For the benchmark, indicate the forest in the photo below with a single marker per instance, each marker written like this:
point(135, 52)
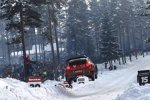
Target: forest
point(51, 31)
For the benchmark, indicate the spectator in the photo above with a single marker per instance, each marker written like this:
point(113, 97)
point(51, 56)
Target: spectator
point(110, 68)
point(115, 67)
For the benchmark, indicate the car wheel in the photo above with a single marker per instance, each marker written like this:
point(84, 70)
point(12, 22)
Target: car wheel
point(75, 80)
point(95, 76)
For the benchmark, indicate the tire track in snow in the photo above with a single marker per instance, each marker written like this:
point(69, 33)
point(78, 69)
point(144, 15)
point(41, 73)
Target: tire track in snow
point(120, 81)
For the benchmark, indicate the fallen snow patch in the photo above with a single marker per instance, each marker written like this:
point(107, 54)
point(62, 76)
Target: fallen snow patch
point(136, 93)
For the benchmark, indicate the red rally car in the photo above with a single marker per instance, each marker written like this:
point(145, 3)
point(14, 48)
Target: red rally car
point(80, 66)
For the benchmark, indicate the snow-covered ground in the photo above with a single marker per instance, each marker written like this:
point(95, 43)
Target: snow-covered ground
point(118, 84)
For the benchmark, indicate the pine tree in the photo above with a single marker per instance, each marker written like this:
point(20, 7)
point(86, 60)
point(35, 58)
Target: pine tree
point(114, 18)
point(95, 25)
point(110, 48)
point(79, 38)
point(19, 15)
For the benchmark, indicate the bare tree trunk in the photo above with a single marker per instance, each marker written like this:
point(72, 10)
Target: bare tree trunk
point(43, 48)
point(122, 45)
point(134, 42)
point(51, 37)
point(8, 49)
point(128, 44)
point(142, 44)
point(26, 69)
point(119, 61)
point(36, 44)
point(57, 45)
point(119, 42)
point(56, 36)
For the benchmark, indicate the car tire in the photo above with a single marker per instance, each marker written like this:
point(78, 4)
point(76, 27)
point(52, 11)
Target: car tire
point(95, 76)
point(75, 80)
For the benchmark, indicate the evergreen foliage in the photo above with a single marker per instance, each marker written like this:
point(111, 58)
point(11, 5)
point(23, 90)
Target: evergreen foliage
point(95, 16)
point(11, 10)
point(110, 47)
point(99, 29)
point(19, 15)
point(79, 40)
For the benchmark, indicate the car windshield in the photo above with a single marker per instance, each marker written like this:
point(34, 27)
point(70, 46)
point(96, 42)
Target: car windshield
point(77, 61)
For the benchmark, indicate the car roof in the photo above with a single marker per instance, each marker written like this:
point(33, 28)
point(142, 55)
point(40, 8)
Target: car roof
point(76, 58)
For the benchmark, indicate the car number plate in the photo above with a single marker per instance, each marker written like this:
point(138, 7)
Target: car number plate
point(81, 79)
point(78, 71)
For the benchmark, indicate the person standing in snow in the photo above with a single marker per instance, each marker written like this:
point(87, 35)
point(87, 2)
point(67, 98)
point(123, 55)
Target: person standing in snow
point(28, 65)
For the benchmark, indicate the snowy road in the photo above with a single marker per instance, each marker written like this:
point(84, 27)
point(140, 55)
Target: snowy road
point(108, 86)
point(111, 83)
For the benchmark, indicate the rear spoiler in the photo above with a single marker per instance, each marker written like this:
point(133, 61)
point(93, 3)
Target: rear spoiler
point(76, 58)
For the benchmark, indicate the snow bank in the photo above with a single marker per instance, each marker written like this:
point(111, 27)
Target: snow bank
point(117, 84)
point(136, 92)
point(12, 89)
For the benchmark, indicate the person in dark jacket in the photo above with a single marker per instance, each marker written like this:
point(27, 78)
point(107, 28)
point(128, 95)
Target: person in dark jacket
point(28, 65)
